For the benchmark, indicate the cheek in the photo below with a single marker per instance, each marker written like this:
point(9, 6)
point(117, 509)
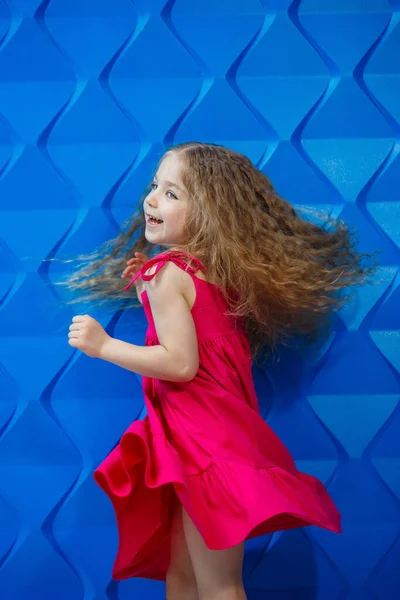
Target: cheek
point(180, 224)
point(176, 218)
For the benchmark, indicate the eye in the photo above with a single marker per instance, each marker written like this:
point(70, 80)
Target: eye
point(152, 186)
point(172, 195)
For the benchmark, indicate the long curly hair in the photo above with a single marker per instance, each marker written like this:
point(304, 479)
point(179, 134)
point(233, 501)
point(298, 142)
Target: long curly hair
point(289, 273)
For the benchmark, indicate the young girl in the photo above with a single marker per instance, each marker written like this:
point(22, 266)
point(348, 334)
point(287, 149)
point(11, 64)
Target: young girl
point(237, 271)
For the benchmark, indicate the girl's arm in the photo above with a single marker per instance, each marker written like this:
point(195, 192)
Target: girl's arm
point(176, 357)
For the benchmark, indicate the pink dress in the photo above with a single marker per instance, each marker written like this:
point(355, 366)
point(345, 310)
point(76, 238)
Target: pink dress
point(204, 444)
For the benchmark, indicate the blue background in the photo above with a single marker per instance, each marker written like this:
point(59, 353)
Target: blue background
point(91, 91)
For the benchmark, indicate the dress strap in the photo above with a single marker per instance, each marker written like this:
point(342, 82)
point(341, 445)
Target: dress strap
point(175, 256)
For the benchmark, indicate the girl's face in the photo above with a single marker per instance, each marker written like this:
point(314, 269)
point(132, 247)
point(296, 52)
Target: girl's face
point(166, 205)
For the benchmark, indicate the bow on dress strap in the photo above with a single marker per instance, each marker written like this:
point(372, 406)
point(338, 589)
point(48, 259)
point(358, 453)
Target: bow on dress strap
point(177, 257)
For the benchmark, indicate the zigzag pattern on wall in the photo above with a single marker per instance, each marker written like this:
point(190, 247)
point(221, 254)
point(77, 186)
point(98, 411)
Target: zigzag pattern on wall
point(91, 92)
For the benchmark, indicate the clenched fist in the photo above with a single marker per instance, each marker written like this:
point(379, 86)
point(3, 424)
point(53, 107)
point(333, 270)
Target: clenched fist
point(86, 334)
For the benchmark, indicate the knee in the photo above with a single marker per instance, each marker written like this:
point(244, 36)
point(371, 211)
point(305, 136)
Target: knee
point(179, 579)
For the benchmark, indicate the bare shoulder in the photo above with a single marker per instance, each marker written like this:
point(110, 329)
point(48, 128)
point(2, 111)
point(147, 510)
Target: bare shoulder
point(169, 277)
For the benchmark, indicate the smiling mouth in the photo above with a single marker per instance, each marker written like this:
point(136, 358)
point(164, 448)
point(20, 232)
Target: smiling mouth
point(152, 221)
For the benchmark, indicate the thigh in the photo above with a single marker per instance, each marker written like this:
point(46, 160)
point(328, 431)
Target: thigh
point(180, 564)
point(213, 569)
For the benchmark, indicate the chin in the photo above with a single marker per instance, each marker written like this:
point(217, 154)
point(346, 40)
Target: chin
point(153, 239)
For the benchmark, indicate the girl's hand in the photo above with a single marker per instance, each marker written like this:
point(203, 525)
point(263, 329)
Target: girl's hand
point(86, 334)
point(134, 265)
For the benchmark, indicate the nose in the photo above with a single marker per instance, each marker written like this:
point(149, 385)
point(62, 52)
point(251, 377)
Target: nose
point(151, 203)
point(151, 199)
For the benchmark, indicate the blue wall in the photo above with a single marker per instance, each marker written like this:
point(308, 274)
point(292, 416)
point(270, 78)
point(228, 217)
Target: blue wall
point(90, 93)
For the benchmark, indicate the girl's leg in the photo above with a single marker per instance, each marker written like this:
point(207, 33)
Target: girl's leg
point(181, 581)
point(218, 572)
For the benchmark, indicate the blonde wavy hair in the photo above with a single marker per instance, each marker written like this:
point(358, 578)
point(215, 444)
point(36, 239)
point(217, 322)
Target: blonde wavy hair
point(288, 273)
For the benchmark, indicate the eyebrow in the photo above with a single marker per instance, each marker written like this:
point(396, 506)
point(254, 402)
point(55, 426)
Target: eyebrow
point(170, 183)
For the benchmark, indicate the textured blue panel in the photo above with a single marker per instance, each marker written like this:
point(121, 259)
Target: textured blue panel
point(91, 92)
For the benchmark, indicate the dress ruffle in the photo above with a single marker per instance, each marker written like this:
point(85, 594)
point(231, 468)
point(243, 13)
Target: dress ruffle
point(144, 478)
point(138, 476)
